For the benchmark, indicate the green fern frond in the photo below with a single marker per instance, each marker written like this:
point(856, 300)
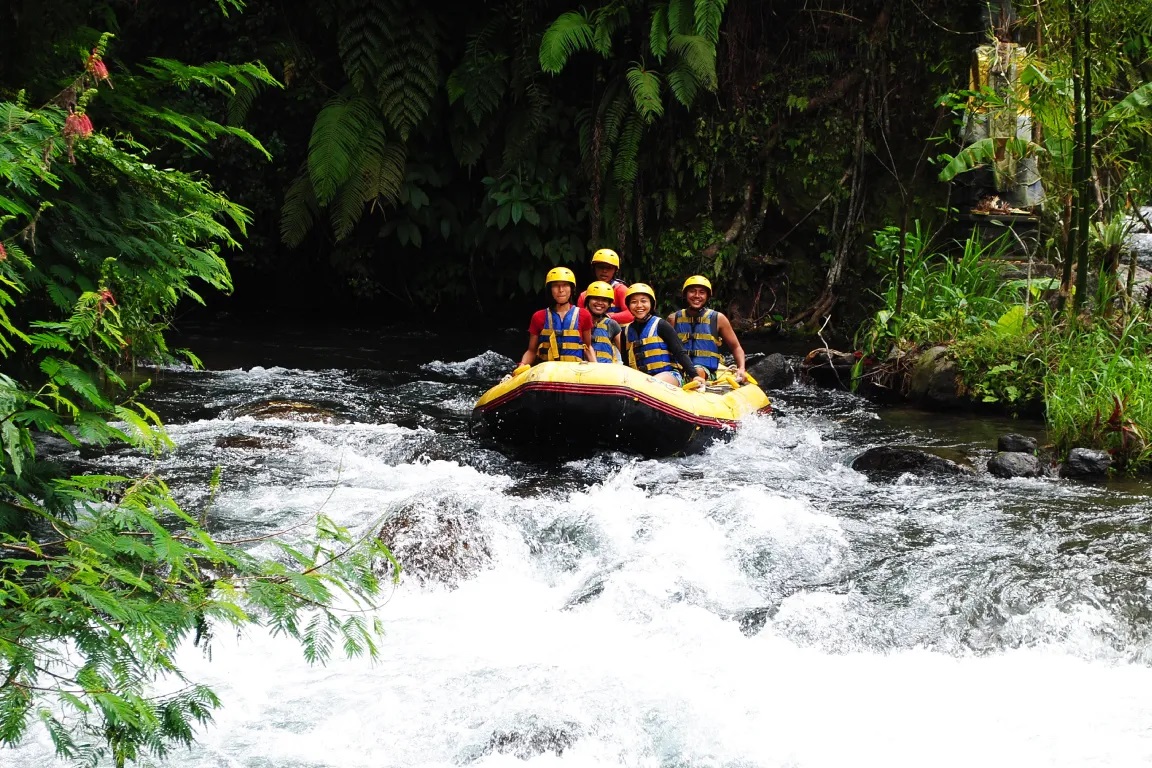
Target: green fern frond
point(682, 83)
point(615, 108)
point(335, 141)
point(571, 33)
point(479, 84)
point(470, 140)
point(348, 207)
point(384, 164)
point(658, 32)
point(298, 213)
point(709, 14)
point(681, 18)
point(409, 77)
point(606, 20)
point(699, 55)
point(645, 87)
point(626, 165)
point(584, 130)
point(362, 39)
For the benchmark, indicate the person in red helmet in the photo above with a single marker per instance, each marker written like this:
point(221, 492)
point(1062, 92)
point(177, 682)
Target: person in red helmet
point(563, 331)
point(605, 266)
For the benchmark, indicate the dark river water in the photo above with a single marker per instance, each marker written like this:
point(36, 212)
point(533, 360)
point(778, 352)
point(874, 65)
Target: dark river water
point(759, 605)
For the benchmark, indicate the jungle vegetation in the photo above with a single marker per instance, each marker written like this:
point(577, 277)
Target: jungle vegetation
point(408, 157)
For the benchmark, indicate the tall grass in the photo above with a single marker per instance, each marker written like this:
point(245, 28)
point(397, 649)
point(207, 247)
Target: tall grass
point(945, 296)
point(1094, 374)
point(1099, 390)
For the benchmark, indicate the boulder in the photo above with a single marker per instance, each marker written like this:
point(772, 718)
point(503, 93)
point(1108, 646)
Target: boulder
point(1141, 242)
point(891, 461)
point(287, 410)
point(250, 442)
point(1014, 443)
point(1086, 463)
point(772, 372)
point(1015, 464)
point(443, 545)
point(1141, 222)
point(934, 380)
point(829, 368)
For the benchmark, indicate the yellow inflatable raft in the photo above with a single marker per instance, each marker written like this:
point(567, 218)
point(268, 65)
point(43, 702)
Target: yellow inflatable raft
point(559, 409)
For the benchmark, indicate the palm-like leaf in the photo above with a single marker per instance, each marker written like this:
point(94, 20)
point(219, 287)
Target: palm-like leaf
point(658, 32)
point(986, 151)
point(409, 76)
point(362, 39)
point(1135, 107)
point(645, 87)
point(682, 83)
point(681, 18)
point(699, 55)
point(709, 14)
point(335, 142)
point(571, 33)
point(627, 164)
point(299, 210)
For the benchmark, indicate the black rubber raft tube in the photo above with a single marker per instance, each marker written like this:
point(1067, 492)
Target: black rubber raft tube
point(561, 419)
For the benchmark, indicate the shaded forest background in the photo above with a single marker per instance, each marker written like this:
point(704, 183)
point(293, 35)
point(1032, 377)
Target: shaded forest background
point(423, 161)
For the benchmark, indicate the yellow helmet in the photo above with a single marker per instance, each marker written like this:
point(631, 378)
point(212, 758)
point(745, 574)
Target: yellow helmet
point(560, 275)
point(640, 289)
point(607, 256)
point(699, 280)
point(600, 290)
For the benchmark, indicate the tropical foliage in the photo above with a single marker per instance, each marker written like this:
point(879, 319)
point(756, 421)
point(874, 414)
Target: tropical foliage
point(104, 578)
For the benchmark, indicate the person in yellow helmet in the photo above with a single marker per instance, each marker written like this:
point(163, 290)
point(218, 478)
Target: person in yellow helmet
point(649, 343)
point(701, 330)
point(605, 330)
point(606, 267)
point(563, 331)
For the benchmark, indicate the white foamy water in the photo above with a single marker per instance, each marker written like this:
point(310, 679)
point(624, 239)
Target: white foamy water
point(759, 605)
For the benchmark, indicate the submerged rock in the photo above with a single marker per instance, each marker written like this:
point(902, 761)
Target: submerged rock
point(437, 545)
point(1008, 464)
point(889, 462)
point(1086, 463)
point(1014, 443)
point(288, 410)
point(773, 372)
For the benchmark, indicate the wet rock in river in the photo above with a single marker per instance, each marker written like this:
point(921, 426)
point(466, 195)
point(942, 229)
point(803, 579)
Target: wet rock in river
point(1086, 463)
point(1014, 443)
point(888, 462)
point(533, 738)
point(250, 442)
point(444, 546)
point(288, 410)
point(1009, 464)
point(829, 368)
point(772, 372)
point(934, 379)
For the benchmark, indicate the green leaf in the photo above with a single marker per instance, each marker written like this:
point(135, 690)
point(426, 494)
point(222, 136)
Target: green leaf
point(645, 88)
point(571, 33)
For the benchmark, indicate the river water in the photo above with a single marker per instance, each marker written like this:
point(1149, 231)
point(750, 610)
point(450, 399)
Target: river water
point(759, 605)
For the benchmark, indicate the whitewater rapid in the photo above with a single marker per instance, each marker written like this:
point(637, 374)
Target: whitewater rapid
point(760, 605)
